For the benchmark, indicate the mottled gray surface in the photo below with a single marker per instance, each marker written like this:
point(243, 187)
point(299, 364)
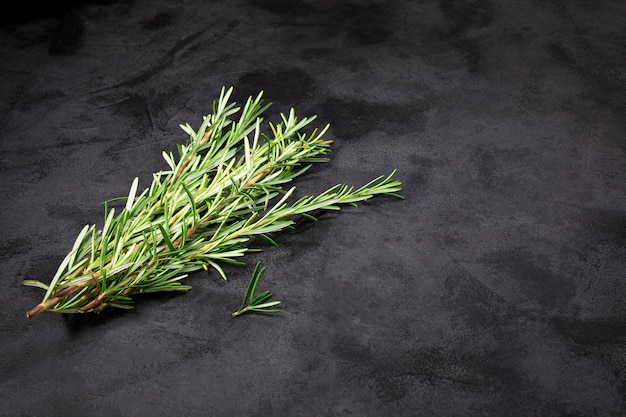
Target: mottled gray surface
point(497, 288)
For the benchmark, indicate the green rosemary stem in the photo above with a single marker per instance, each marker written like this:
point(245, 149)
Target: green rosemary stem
point(225, 187)
point(256, 303)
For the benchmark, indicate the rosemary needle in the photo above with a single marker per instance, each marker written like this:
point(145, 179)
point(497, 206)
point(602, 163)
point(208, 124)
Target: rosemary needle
point(256, 303)
point(225, 186)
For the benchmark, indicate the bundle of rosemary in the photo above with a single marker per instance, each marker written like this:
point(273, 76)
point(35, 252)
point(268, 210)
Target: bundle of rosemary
point(224, 188)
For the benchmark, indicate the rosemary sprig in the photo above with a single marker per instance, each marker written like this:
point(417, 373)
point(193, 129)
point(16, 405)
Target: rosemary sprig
point(224, 188)
point(259, 303)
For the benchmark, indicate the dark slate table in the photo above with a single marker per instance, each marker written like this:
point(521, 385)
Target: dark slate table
point(496, 288)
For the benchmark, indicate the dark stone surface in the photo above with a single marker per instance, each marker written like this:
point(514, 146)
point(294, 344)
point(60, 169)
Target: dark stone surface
point(497, 288)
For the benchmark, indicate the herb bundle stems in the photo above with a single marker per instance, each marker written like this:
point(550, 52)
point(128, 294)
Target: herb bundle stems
point(225, 187)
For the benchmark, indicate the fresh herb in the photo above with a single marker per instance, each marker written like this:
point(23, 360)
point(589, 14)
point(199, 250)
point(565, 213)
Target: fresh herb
point(259, 303)
point(224, 188)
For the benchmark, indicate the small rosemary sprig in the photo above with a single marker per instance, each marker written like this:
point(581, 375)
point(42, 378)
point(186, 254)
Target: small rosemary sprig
point(224, 188)
point(259, 303)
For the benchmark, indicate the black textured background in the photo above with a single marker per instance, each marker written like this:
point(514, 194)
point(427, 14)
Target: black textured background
point(497, 288)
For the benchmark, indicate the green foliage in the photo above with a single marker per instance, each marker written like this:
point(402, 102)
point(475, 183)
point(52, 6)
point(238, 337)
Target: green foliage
point(256, 303)
point(224, 188)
